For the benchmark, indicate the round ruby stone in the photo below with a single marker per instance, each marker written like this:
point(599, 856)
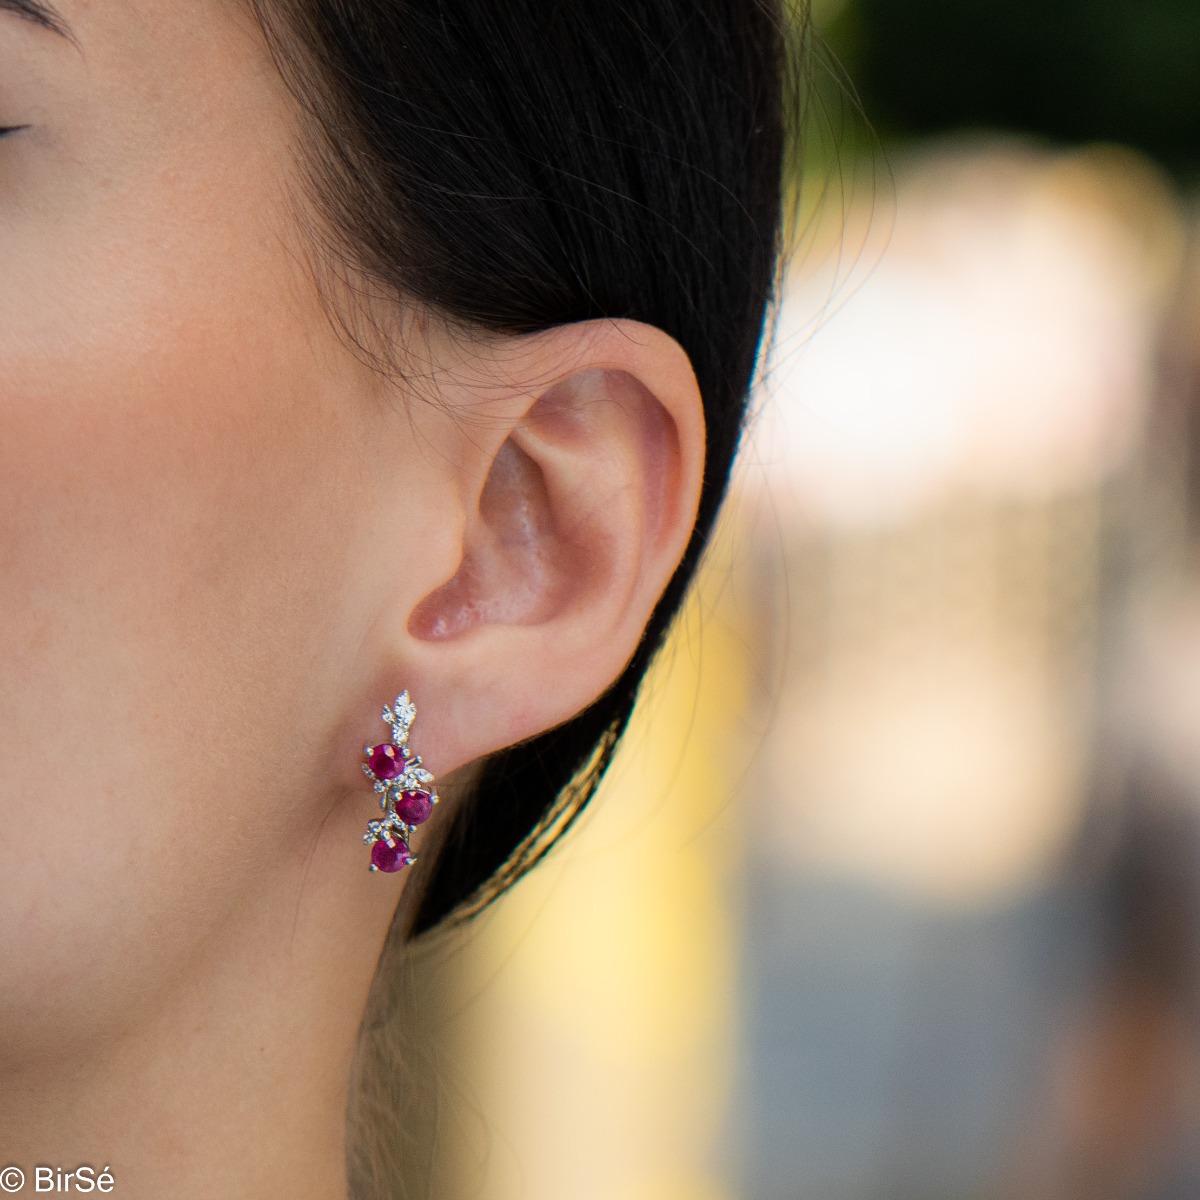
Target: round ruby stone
point(390, 857)
point(386, 761)
point(414, 807)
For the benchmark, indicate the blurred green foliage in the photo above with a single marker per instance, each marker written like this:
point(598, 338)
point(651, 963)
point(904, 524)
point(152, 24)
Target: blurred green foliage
point(1071, 70)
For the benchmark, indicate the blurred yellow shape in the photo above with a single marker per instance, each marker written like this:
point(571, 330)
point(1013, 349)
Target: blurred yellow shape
point(600, 1036)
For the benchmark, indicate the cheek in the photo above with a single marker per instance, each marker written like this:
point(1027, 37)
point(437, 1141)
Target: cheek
point(177, 515)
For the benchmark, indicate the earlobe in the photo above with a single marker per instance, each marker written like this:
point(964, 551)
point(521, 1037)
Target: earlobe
point(587, 506)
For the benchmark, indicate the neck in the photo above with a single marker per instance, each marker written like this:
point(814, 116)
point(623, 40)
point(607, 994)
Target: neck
point(233, 1082)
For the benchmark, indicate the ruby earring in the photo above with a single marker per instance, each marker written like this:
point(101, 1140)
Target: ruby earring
point(404, 788)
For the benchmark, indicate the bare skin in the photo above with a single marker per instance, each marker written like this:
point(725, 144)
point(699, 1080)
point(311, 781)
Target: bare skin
point(224, 543)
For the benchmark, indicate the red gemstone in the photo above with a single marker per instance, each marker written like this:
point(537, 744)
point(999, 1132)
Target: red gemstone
point(386, 761)
point(390, 856)
point(414, 807)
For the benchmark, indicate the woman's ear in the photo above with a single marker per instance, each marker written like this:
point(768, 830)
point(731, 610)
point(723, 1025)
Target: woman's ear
point(587, 478)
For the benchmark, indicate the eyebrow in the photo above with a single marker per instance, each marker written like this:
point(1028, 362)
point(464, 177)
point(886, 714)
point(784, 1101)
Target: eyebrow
point(40, 13)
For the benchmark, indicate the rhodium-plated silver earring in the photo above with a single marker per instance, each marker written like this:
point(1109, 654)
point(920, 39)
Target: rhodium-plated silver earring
point(404, 787)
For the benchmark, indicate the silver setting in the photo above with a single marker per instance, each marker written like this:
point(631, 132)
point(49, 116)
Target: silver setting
point(414, 778)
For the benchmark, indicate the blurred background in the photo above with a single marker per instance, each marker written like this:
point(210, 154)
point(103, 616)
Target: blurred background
point(894, 890)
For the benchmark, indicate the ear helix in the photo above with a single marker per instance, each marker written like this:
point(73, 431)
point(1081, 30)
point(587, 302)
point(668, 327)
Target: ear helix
point(404, 788)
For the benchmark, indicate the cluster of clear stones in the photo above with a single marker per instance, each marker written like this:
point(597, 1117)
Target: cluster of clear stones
point(403, 787)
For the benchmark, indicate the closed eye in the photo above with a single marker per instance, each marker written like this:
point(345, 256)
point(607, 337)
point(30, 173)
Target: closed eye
point(39, 13)
point(5, 130)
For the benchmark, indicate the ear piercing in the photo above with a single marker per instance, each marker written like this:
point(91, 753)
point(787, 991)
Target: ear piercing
point(404, 788)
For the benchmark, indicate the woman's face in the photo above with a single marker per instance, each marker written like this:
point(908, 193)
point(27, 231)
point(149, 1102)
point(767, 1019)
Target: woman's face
point(225, 540)
point(189, 480)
